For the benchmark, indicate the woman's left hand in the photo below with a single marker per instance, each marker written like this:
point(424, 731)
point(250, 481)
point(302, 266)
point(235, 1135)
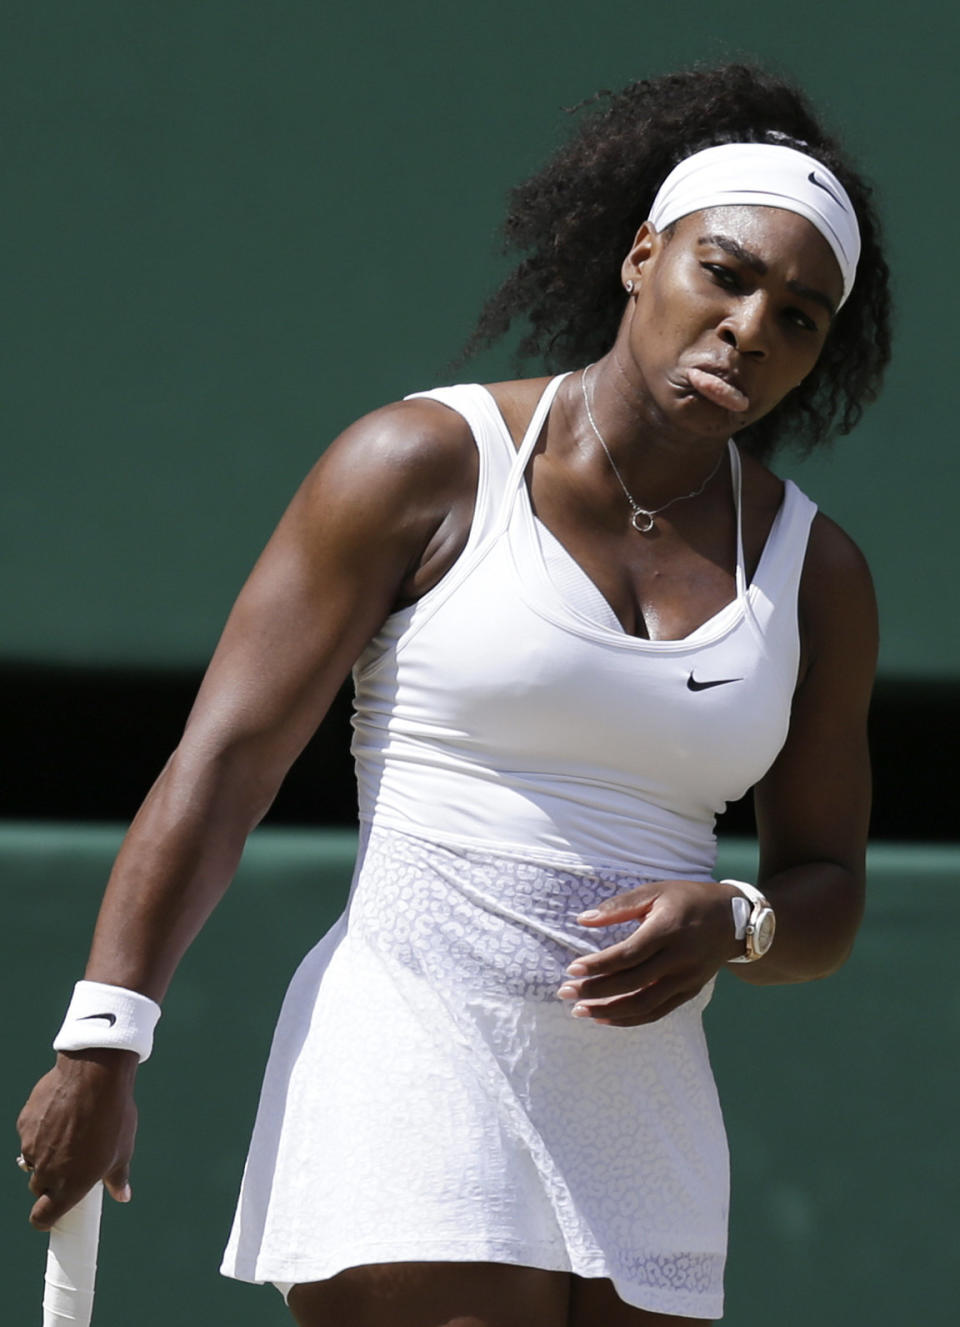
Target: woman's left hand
point(685, 935)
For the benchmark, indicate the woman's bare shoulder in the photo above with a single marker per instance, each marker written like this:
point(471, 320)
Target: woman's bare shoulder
point(421, 436)
point(408, 460)
point(838, 605)
point(829, 549)
point(836, 582)
point(388, 492)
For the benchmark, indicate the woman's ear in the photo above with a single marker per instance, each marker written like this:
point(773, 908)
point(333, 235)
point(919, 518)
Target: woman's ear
point(645, 243)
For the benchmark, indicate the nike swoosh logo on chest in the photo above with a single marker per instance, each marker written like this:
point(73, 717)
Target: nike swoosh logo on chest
point(694, 685)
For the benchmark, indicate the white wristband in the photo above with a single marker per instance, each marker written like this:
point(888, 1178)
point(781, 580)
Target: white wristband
point(108, 1016)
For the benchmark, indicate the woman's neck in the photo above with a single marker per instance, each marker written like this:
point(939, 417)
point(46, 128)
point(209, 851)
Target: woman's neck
point(655, 460)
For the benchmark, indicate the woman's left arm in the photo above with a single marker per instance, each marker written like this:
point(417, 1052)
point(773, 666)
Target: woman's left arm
point(813, 805)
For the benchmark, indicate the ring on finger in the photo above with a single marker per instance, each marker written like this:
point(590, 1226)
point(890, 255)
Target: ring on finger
point(24, 1164)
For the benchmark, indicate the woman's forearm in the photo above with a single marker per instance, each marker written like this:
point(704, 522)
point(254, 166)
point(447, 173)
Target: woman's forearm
point(175, 864)
point(818, 907)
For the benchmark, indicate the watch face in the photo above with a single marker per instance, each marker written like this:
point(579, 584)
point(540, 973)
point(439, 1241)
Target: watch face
point(763, 934)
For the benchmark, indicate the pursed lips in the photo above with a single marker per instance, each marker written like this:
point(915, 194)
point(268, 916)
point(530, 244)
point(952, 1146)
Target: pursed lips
point(718, 385)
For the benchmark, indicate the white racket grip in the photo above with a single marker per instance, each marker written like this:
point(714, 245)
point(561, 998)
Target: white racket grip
point(72, 1264)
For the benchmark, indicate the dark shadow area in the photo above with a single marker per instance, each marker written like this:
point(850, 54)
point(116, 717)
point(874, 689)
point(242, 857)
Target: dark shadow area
point(85, 744)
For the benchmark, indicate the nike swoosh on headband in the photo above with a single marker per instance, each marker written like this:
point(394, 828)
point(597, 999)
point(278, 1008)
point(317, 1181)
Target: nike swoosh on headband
point(111, 1018)
point(812, 177)
point(694, 685)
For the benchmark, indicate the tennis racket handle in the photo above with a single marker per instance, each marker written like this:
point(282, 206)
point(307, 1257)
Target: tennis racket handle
point(72, 1264)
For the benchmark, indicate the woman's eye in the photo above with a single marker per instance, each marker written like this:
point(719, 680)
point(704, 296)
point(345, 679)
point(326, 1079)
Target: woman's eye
point(801, 319)
point(723, 275)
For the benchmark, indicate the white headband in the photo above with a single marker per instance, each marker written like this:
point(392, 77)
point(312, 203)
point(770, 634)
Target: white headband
point(764, 175)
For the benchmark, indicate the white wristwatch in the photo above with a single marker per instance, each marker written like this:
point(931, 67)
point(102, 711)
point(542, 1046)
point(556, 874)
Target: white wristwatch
point(754, 921)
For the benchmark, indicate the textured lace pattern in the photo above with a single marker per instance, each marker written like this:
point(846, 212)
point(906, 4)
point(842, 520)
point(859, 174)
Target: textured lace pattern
point(479, 922)
point(429, 1098)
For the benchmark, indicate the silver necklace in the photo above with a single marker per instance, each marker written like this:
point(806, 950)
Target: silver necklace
point(641, 518)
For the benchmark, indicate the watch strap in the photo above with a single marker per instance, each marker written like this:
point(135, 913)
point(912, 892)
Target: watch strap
point(746, 909)
point(742, 909)
point(754, 894)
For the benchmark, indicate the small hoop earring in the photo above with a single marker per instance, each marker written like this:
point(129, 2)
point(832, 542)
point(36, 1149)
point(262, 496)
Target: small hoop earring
point(629, 287)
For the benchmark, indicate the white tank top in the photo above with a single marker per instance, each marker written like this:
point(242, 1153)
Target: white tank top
point(508, 710)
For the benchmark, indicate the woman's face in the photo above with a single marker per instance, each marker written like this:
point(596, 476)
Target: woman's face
point(729, 313)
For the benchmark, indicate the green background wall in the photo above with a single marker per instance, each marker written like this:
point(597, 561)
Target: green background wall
point(232, 227)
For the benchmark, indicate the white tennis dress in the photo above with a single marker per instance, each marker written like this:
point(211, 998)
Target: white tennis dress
point(519, 757)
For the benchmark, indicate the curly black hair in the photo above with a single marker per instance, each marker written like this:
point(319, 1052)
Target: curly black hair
point(574, 221)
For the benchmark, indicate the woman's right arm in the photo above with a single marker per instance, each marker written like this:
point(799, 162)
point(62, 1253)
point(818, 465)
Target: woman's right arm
point(382, 515)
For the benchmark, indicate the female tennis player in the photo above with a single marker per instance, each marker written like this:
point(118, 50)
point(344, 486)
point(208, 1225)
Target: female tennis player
point(582, 614)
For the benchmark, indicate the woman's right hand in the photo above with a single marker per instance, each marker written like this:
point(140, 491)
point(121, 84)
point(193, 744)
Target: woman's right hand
point(77, 1128)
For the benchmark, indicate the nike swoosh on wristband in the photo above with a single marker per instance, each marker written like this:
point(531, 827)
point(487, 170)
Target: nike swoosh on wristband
point(694, 685)
point(812, 177)
point(111, 1018)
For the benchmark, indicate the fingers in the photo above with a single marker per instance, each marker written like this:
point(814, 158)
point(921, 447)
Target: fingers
point(45, 1213)
point(50, 1207)
point(690, 919)
point(632, 905)
point(651, 907)
point(667, 1006)
point(75, 1135)
point(117, 1183)
point(627, 979)
point(673, 952)
point(636, 1007)
point(117, 1178)
point(54, 1202)
point(629, 953)
point(55, 1199)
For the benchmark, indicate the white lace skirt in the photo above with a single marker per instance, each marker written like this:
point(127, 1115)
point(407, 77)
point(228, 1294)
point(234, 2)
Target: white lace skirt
point(428, 1098)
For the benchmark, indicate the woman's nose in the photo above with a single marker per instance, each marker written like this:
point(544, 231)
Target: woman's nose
point(745, 327)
